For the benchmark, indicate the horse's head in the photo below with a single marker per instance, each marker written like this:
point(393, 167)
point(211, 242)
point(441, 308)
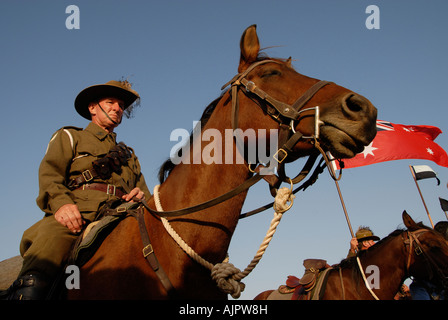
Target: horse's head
point(428, 253)
point(346, 120)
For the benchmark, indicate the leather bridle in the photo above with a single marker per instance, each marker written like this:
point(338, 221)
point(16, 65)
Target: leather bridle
point(288, 138)
point(281, 112)
point(286, 115)
point(417, 248)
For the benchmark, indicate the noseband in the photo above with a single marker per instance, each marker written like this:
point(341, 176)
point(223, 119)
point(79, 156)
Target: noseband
point(413, 241)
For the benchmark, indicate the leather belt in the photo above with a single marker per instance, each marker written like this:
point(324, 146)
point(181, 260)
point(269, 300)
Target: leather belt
point(107, 188)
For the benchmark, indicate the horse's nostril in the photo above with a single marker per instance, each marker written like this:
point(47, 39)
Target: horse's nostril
point(354, 103)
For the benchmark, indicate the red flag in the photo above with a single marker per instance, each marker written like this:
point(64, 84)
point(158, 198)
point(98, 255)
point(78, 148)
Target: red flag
point(397, 141)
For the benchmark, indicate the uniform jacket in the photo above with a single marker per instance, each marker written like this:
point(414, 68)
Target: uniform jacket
point(70, 152)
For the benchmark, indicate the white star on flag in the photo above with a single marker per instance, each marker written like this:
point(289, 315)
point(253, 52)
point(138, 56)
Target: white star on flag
point(410, 129)
point(429, 150)
point(369, 150)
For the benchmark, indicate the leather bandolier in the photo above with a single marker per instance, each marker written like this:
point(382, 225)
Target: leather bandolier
point(104, 167)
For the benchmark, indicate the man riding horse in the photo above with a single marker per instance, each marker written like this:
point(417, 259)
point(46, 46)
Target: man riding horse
point(71, 191)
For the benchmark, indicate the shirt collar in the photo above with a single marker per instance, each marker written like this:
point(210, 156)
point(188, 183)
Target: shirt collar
point(99, 132)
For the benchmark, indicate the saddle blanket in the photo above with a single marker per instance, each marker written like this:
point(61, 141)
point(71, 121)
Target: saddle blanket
point(95, 233)
point(91, 239)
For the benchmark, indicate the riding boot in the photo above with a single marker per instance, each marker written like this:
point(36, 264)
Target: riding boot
point(29, 287)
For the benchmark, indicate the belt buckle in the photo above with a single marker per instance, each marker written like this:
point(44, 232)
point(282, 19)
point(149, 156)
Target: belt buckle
point(109, 187)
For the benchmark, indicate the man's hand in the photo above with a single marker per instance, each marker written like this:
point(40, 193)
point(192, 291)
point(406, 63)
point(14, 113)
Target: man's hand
point(69, 216)
point(136, 192)
point(354, 245)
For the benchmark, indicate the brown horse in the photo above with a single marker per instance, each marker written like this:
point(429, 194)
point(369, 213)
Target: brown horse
point(419, 252)
point(118, 270)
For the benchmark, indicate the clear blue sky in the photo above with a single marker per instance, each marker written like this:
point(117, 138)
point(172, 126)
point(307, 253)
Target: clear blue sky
point(178, 54)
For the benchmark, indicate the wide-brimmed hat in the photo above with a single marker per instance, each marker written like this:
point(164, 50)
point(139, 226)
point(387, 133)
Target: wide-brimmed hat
point(364, 234)
point(117, 89)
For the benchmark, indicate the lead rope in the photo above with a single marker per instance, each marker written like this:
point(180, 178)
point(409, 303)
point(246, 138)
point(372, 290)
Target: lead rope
point(226, 275)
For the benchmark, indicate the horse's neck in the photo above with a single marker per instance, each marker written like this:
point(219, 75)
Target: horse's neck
point(385, 265)
point(206, 172)
point(190, 184)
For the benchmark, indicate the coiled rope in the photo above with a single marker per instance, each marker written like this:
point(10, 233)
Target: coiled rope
point(227, 276)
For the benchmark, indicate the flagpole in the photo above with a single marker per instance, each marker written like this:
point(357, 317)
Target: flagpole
point(331, 169)
point(421, 195)
point(344, 208)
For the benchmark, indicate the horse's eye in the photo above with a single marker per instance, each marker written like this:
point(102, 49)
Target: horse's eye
point(272, 72)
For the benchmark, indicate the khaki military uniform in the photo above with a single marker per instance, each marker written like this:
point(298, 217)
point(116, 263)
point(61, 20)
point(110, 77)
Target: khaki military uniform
point(46, 245)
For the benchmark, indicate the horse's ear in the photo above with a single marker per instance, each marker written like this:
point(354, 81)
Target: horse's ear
point(289, 63)
point(250, 46)
point(408, 221)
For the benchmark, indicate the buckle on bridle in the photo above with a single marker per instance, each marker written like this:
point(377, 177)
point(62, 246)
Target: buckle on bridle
point(250, 86)
point(418, 251)
point(276, 158)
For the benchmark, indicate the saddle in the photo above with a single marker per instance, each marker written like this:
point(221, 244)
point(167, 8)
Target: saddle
point(87, 244)
point(95, 233)
point(92, 238)
point(313, 268)
point(312, 284)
